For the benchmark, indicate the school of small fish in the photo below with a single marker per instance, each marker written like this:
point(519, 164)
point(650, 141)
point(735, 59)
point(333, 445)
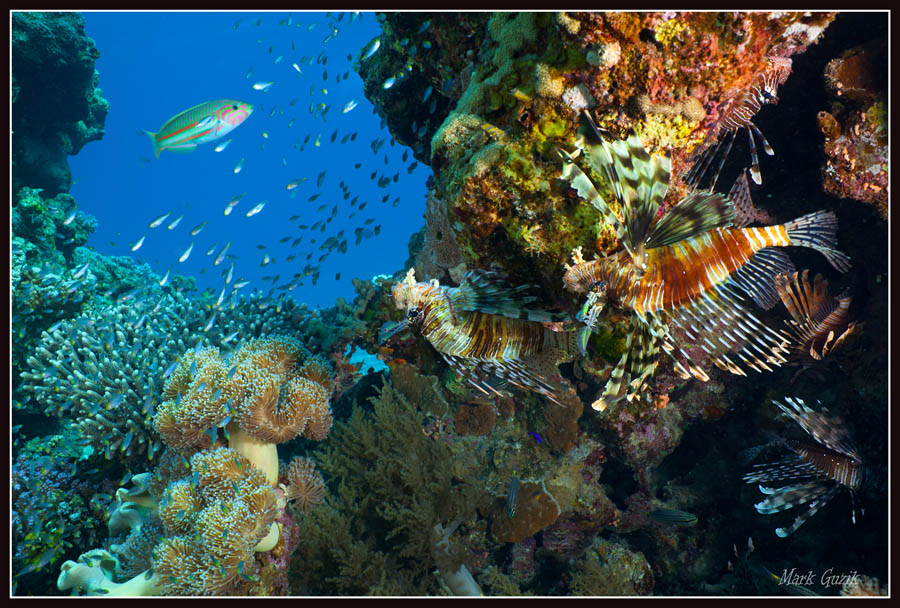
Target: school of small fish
point(307, 229)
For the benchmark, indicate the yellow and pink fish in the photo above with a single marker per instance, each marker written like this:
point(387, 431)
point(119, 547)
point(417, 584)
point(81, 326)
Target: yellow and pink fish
point(199, 125)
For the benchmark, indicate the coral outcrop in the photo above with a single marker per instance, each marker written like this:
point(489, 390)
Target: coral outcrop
point(56, 105)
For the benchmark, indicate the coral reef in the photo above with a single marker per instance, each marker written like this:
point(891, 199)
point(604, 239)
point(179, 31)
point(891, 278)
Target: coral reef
point(58, 504)
point(105, 368)
point(612, 568)
point(224, 508)
point(494, 155)
point(856, 126)
point(376, 534)
point(56, 105)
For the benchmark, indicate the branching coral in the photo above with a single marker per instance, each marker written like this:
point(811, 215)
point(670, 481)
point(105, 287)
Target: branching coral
point(105, 368)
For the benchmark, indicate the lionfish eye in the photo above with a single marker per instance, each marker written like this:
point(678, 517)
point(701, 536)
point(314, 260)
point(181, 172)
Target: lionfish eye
point(412, 314)
point(597, 285)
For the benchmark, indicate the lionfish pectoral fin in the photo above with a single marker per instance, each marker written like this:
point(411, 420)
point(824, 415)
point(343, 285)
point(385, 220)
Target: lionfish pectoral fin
point(697, 213)
point(814, 507)
point(487, 292)
point(757, 278)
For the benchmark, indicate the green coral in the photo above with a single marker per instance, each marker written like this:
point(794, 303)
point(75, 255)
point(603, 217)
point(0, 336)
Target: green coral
point(393, 485)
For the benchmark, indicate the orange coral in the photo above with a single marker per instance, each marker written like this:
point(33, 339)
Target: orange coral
point(536, 510)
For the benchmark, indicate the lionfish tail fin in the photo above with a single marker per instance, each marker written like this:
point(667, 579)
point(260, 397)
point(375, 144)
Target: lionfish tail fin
point(818, 231)
point(486, 292)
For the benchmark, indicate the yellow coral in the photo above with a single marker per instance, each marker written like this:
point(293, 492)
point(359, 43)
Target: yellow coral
point(546, 84)
point(671, 31)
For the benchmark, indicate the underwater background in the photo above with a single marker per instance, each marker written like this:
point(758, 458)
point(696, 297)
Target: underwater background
point(174, 318)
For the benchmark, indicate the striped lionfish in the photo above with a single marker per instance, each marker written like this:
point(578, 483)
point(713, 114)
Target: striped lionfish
point(686, 268)
point(817, 470)
point(736, 116)
point(482, 322)
point(821, 322)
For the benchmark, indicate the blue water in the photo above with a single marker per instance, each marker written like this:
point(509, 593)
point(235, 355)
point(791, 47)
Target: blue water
point(156, 65)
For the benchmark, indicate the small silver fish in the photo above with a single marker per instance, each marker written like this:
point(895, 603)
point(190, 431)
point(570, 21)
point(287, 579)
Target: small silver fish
point(176, 222)
point(262, 86)
point(256, 209)
point(221, 255)
point(222, 145)
point(165, 279)
point(70, 218)
point(138, 243)
point(349, 106)
point(186, 254)
point(239, 166)
point(160, 220)
point(389, 83)
point(376, 44)
point(196, 229)
point(80, 272)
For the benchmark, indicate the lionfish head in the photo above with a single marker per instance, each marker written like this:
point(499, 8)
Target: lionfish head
point(411, 296)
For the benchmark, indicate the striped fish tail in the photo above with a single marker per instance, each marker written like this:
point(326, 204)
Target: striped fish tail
point(156, 148)
point(818, 231)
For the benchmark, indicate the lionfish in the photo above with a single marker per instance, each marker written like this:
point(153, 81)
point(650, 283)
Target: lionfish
point(685, 269)
point(738, 115)
point(482, 330)
point(821, 323)
point(816, 470)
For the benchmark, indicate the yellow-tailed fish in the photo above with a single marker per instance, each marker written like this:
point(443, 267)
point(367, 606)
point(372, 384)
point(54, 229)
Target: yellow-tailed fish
point(160, 220)
point(256, 209)
point(175, 223)
point(221, 255)
point(196, 229)
point(186, 253)
point(201, 124)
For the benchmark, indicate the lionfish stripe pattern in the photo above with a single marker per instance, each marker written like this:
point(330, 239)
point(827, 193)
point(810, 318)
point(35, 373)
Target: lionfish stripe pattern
point(690, 268)
point(820, 322)
point(519, 350)
point(736, 116)
point(822, 467)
